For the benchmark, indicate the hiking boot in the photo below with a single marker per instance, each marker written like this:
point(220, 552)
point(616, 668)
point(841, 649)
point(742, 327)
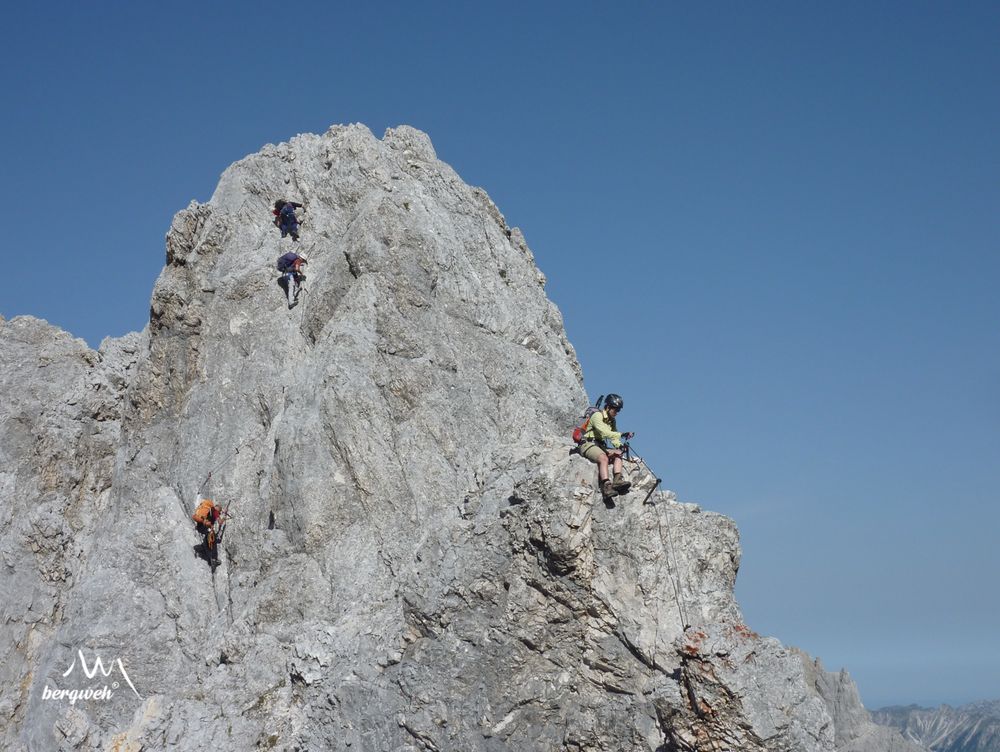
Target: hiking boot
point(606, 490)
point(621, 485)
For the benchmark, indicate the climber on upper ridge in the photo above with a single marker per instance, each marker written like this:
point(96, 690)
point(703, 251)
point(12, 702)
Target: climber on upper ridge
point(285, 219)
point(601, 429)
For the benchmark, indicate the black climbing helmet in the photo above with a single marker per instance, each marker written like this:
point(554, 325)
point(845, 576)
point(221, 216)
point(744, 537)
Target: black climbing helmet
point(613, 400)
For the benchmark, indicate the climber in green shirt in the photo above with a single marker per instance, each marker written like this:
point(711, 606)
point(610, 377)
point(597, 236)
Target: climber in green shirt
point(601, 431)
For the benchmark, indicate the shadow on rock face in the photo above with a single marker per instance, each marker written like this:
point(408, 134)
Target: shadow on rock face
point(203, 552)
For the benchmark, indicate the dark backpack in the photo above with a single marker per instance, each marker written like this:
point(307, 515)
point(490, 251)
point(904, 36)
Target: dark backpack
point(278, 206)
point(286, 263)
point(581, 429)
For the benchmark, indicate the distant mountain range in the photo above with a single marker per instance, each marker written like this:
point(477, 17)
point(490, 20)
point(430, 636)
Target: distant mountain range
point(969, 728)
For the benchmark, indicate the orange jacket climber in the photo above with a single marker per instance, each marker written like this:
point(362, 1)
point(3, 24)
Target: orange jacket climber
point(207, 514)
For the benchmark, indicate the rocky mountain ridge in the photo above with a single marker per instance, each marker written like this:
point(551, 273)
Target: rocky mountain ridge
point(968, 728)
point(415, 559)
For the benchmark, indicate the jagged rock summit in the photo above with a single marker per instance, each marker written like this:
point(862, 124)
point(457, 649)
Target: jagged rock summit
point(415, 562)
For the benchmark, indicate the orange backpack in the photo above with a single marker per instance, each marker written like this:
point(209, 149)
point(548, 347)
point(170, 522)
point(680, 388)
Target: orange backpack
point(205, 513)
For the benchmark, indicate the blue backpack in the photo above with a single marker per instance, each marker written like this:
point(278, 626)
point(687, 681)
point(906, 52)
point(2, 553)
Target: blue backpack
point(285, 262)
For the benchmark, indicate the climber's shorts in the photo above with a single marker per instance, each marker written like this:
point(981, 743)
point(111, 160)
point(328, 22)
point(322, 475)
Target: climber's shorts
point(592, 451)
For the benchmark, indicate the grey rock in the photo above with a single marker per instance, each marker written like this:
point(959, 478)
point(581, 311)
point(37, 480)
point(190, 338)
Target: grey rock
point(744, 692)
point(414, 559)
point(855, 730)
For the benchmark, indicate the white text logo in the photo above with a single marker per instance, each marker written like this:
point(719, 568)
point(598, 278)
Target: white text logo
point(90, 672)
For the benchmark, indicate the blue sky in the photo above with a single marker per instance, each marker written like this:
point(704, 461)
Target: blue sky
point(794, 206)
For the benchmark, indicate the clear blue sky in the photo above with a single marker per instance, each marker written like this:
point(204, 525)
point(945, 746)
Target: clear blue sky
point(795, 207)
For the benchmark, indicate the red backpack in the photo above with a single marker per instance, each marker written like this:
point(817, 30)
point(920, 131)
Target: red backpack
point(581, 429)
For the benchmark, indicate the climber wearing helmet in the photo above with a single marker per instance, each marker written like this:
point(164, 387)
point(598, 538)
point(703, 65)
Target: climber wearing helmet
point(602, 431)
point(292, 276)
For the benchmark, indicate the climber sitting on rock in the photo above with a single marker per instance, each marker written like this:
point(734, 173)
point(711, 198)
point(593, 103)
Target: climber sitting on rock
point(206, 518)
point(602, 430)
point(285, 219)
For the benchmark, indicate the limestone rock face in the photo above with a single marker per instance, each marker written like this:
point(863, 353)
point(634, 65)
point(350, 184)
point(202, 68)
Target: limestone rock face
point(414, 560)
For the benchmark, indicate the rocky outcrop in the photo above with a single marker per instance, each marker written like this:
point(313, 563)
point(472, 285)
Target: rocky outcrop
point(969, 728)
point(855, 731)
point(414, 560)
